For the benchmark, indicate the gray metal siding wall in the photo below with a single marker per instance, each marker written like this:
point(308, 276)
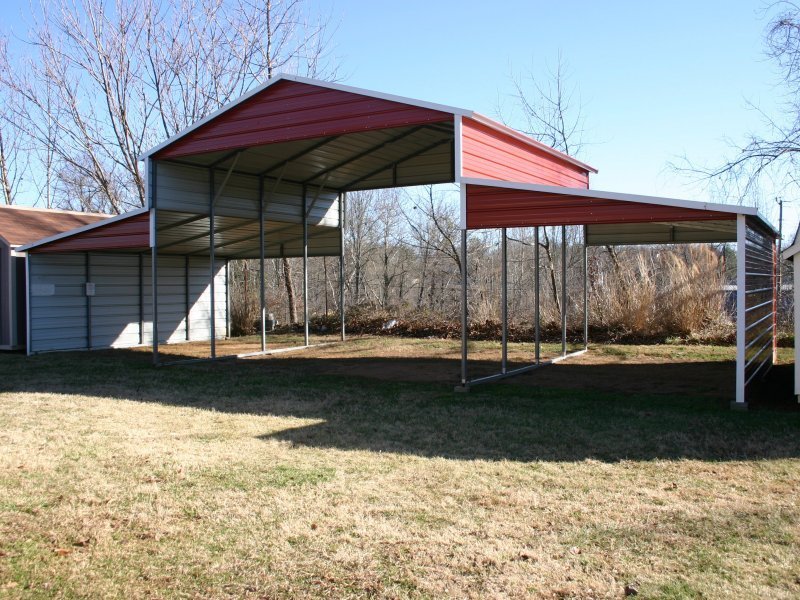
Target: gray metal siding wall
point(115, 305)
point(171, 299)
point(57, 302)
point(200, 295)
point(185, 189)
point(759, 300)
point(59, 320)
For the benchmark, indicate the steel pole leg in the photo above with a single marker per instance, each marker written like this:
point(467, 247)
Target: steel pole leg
point(536, 300)
point(154, 276)
point(504, 299)
point(153, 173)
point(342, 199)
point(464, 315)
point(585, 290)
point(211, 259)
point(261, 276)
point(305, 269)
point(563, 290)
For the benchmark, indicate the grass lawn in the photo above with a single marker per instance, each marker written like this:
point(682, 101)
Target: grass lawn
point(354, 470)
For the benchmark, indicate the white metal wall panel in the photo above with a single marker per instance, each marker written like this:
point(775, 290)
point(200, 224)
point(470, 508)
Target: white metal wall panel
point(200, 294)
point(59, 302)
point(171, 300)
point(115, 305)
point(181, 188)
point(186, 189)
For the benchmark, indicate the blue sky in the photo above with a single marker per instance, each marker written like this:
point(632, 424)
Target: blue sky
point(657, 79)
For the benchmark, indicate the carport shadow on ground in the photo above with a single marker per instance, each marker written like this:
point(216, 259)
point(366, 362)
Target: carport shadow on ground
point(565, 412)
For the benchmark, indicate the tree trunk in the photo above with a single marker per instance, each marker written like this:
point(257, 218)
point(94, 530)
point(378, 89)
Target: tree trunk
point(551, 269)
point(287, 279)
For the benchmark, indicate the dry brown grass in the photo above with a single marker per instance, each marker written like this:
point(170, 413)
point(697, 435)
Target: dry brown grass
point(264, 479)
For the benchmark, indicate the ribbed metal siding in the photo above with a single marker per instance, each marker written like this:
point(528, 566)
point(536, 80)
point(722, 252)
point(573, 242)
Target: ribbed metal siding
point(115, 305)
point(491, 154)
point(759, 300)
point(59, 321)
point(289, 110)
point(185, 189)
point(171, 300)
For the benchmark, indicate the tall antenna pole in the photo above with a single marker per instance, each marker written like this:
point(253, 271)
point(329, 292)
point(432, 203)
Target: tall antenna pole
point(778, 277)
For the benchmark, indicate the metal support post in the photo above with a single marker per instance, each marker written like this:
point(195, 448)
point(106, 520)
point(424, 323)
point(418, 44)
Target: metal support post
point(153, 174)
point(536, 312)
point(504, 299)
point(563, 290)
point(211, 259)
point(464, 315)
point(261, 263)
point(342, 199)
point(186, 300)
point(305, 268)
point(585, 289)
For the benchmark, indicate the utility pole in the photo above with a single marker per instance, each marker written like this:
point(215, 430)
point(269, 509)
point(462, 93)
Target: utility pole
point(779, 281)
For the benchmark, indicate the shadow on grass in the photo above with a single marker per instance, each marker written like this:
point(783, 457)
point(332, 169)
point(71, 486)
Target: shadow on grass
point(568, 412)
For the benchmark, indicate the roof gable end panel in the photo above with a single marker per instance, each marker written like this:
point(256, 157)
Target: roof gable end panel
point(495, 153)
point(127, 231)
point(291, 110)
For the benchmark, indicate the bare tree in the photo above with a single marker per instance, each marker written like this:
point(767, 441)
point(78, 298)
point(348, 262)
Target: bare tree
point(100, 82)
point(13, 163)
point(774, 154)
point(553, 113)
point(434, 225)
point(360, 237)
point(552, 108)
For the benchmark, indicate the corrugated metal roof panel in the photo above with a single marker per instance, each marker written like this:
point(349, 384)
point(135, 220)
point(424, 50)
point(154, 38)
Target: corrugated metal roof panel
point(291, 110)
point(489, 207)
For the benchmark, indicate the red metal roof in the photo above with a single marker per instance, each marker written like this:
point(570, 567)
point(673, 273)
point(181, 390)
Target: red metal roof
point(126, 232)
point(490, 206)
point(291, 110)
point(22, 224)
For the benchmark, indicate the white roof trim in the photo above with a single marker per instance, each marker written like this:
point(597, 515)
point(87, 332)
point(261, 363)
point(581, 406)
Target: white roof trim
point(326, 84)
point(790, 251)
point(531, 142)
point(78, 230)
point(565, 191)
point(51, 210)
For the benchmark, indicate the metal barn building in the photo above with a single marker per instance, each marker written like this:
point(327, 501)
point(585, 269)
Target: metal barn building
point(267, 176)
point(20, 225)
